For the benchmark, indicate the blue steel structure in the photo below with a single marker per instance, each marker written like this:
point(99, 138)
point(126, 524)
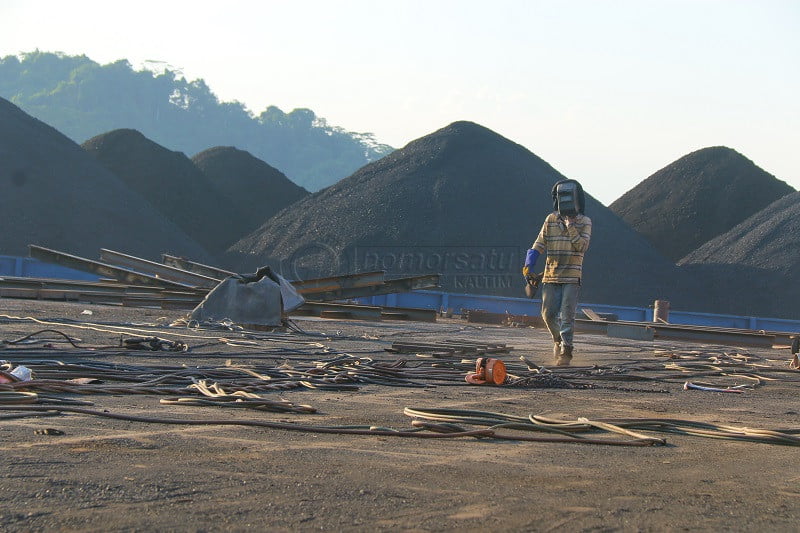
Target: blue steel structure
point(524, 306)
point(27, 267)
point(32, 268)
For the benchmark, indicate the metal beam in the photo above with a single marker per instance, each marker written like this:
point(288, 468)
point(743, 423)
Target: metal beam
point(408, 313)
point(627, 331)
point(158, 270)
point(334, 283)
point(715, 336)
point(362, 284)
point(711, 335)
point(197, 268)
point(387, 287)
point(152, 299)
point(364, 312)
point(95, 267)
point(110, 287)
point(161, 302)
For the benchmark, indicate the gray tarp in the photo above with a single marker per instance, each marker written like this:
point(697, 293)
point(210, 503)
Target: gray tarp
point(249, 300)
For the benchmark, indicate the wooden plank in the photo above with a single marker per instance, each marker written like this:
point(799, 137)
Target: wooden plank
point(591, 314)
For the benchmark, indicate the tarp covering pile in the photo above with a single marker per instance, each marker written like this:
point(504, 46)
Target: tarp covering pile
point(261, 299)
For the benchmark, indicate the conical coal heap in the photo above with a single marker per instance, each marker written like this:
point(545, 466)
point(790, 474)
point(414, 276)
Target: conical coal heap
point(696, 198)
point(257, 189)
point(53, 194)
point(172, 184)
point(754, 269)
point(464, 202)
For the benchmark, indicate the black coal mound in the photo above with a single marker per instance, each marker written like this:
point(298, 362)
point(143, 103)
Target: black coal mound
point(170, 181)
point(754, 268)
point(53, 194)
point(256, 189)
point(696, 198)
point(464, 202)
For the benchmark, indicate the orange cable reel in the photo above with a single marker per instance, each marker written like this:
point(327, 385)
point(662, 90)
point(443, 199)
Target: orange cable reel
point(487, 370)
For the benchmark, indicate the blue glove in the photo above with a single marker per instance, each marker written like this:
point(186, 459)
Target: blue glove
point(530, 262)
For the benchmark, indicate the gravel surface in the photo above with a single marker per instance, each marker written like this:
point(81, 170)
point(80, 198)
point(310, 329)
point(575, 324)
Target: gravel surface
point(104, 474)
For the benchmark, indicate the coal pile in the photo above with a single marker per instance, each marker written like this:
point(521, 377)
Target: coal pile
point(256, 189)
point(53, 194)
point(696, 198)
point(755, 267)
point(464, 202)
point(173, 185)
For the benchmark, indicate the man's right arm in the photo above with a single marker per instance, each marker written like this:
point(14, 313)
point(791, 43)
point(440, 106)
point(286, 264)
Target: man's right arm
point(537, 248)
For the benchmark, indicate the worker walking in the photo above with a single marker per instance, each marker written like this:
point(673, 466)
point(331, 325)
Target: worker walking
point(564, 238)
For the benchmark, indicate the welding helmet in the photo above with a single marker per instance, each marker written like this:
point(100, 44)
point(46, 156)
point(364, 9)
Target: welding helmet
point(568, 198)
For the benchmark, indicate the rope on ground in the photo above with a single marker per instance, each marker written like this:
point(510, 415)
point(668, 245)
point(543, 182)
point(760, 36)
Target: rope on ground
point(342, 430)
point(27, 339)
point(620, 426)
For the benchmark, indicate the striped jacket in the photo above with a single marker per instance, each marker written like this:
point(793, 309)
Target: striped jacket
point(564, 246)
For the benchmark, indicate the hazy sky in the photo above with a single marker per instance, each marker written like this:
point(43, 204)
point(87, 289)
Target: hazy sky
point(607, 92)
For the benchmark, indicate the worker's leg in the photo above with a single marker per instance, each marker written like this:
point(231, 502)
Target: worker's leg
point(551, 308)
point(569, 305)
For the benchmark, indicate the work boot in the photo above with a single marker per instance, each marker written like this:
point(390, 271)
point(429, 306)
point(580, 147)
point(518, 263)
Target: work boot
point(565, 356)
point(556, 351)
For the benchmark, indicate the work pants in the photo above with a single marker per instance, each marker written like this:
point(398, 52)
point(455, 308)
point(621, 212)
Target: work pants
point(559, 302)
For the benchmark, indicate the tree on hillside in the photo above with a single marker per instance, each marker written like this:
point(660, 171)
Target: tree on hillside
point(82, 99)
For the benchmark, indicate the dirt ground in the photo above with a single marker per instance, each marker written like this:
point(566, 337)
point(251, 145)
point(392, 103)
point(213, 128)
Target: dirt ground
point(114, 475)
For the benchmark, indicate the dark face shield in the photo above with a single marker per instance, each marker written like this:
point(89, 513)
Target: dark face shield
point(567, 199)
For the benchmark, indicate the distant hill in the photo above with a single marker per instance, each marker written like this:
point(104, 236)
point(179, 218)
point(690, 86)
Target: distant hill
point(172, 184)
point(464, 202)
point(755, 267)
point(696, 198)
point(54, 194)
point(83, 99)
point(257, 190)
